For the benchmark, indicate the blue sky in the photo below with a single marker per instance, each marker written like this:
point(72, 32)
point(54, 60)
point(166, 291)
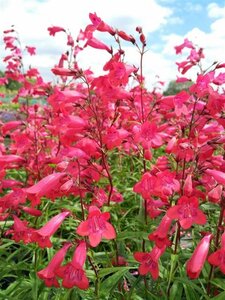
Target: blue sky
point(165, 22)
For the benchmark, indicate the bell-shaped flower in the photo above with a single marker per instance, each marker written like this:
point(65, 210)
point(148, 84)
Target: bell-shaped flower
point(196, 262)
point(42, 235)
point(46, 184)
point(149, 261)
point(72, 273)
point(187, 212)
point(96, 227)
point(48, 273)
point(217, 175)
point(159, 236)
point(20, 231)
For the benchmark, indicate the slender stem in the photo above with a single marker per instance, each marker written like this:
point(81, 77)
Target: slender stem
point(141, 83)
point(97, 278)
point(80, 193)
point(109, 177)
point(177, 238)
point(192, 117)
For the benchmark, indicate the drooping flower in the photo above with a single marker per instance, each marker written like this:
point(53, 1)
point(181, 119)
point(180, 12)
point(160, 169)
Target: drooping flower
point(48, 273)
point(42, 235)
point(215, 194)
point(196, 262)
point(149, 261)
point(72, 273)
point(96, 227)
point(159, 236)
point(217, 175)
point(97, 44)
point(46, 184)
point(187, 212)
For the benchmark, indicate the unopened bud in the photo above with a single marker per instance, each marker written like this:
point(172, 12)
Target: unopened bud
point(139, 29)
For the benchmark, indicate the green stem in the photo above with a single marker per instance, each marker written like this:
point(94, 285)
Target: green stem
point(97, 278)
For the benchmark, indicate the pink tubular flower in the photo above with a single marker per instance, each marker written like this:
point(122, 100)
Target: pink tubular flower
point(100, 25)
point(63, 71)
point(45, 184)
point(159, 236)
point(31, 50)
point(187, 212)
point(54, 29)
point(73, 273)
point(48, 273)
point(149, 261)
point(217, 175)
point(218, 257)
point(96, 227)
point(21, 232)
point(196, 262)
point(95, 43)
point(126, 37)
point(42, 235)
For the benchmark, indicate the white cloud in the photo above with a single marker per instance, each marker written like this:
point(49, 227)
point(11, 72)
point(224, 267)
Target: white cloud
point(213, 41)
point(31, 19)
point(215, 11)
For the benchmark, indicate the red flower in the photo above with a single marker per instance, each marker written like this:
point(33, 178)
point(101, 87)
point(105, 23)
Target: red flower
point(185, 44)
point(52, 30)
point(159, 236)
point(48, 273)
point(148, 135)
point(73, 273)
point(187, 212)
point(146, 186)
point(149, 261)
point(97, 44)
point(96, 227)
point(100, 25)
point(195, 263)
point(20, 231)
point(31, 50)
point(217, 175)
point(46, 184)
point(218, 257)
point(42, 235)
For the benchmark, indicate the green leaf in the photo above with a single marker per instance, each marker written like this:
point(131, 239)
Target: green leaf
point(176, 291)
point(132, 235)
point(191, 287)
point(190, 293)
point(106, 271)
point(221, 296)
point(219, 282)
point(109, 284)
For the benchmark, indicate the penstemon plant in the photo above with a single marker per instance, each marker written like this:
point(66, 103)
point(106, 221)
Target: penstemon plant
point(110, 190)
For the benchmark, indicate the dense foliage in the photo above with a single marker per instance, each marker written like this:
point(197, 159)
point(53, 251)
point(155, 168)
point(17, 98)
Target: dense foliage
point(110, 190)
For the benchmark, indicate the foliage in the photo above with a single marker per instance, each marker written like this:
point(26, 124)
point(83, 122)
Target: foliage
point(176, 87)
point(109, 190)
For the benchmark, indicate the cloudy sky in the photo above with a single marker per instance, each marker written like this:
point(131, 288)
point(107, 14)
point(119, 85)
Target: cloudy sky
point(165, 22)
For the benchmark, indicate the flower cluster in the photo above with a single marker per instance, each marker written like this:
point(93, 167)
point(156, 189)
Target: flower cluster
point(64, 149)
